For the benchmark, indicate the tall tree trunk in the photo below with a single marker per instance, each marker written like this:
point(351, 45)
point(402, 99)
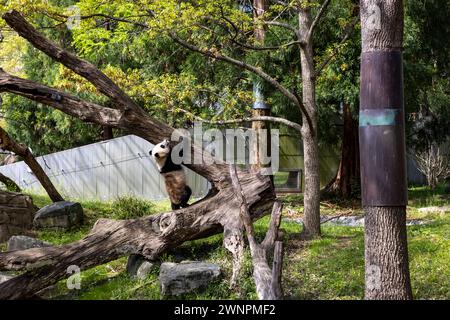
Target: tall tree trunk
point(382, 151)
point(310, 143)
point(348, 174)
point(9, 144)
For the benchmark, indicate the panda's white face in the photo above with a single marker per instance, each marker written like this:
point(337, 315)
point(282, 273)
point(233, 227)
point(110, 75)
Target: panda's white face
point(160, 152)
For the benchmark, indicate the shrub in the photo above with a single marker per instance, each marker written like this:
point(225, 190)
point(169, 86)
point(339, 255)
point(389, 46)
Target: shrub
point(128, 207)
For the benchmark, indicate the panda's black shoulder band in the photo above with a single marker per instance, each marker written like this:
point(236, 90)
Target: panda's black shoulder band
point(169, 166)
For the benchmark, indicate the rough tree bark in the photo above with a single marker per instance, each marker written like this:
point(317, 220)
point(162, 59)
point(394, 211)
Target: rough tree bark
point(110, 239)
point(267, 280)
point(348, 174)
point(9, 144)
point(311, 194)
point(382, 150)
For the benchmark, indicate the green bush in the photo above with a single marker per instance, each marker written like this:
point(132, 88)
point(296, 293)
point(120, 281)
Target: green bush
point(129, 208)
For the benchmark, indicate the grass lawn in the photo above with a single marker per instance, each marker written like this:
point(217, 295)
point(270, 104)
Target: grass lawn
point(331, 267)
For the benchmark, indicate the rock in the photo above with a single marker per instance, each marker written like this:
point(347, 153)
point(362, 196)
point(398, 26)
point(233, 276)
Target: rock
point(138, 267)
point(349, 221)
point(179, 278)
point(61, 215)
point(416, 222)
point(16, 214)
point(352, 221)
point(24, 242)
point(440, 210)
point(5, 277)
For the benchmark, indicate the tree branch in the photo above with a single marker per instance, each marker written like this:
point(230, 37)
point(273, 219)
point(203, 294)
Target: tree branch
point(282, 25)
point(69, 104)
point(288, 123)
point(347, 33)
point(258, 71)
point(84, 68)
point(316, 20)
point(265, 48)
point(245, 45)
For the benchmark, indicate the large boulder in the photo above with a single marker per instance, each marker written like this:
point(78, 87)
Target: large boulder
point(24, 242)
point(59, 215)
point(16, 214)
point(184, 277)
point(138, 267)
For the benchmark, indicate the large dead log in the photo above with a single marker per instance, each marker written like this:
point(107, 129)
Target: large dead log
point(110, 239)
point(150, 236)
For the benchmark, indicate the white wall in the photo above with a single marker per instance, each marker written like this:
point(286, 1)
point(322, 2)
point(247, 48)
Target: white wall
point(102, 171)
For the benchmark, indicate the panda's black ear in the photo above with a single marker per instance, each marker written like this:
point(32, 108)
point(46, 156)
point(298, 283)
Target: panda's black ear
point(150, 152)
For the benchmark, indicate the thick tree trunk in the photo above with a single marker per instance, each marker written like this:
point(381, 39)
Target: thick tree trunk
point(348, 175)
point(382, 150)
point(310, 143)
point(386, 254)
point(8, 144)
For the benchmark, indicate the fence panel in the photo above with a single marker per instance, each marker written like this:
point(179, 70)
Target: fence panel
point(102, 171)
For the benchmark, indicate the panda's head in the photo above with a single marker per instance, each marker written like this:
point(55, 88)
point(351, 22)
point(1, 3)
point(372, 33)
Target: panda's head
point(161, 150)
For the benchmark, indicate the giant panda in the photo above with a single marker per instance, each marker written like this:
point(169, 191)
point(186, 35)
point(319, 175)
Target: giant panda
point(174, 176)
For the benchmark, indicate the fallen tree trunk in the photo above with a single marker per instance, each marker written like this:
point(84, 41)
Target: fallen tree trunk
point(109, 239)
point(9, 144)
point(150, 237)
